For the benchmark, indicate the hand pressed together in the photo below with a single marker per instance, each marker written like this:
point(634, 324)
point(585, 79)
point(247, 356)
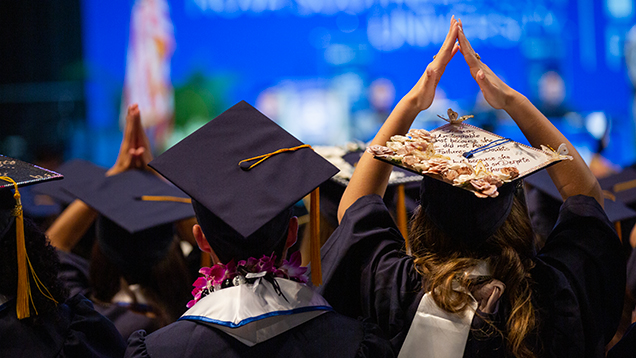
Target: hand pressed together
point(134, 151)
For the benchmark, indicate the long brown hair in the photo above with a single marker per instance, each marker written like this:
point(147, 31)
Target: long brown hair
point(441, 260)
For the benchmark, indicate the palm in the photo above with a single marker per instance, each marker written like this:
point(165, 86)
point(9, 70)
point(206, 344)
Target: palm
point(424, 90)
point(494, 89)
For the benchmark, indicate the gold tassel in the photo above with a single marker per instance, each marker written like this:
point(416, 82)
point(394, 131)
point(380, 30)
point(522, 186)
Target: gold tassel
point(175, 199)
point(269, 155)
point(401, 213)
point(24, 296)
point(314, 247)
point(24, 288)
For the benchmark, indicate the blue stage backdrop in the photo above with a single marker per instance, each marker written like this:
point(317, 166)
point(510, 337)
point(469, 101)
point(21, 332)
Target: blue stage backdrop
point(330, 71)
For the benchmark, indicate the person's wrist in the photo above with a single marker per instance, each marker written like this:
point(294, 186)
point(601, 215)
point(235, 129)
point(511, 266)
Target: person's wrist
point(113, 171)
point(411, 103)
point(512, 99)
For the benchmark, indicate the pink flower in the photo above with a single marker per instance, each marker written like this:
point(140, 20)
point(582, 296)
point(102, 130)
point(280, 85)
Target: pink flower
point(292, 268)
point(214, 276)
point(205, 271)
point(230, 268)
point(266, 263)
point(200, 282)
point(217, 274)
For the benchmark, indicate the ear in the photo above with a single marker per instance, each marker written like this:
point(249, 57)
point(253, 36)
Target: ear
point(292, 232)
point(203, 243)
point(199, 236)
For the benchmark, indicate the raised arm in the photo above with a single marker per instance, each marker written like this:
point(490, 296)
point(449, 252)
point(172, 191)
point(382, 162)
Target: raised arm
point(77, 218)
point(570, 177)
point(371, 176)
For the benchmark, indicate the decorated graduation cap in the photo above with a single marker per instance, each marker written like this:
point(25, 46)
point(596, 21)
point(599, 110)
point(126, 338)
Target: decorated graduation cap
point(245, 170)
point(77, 172)
point(15, 173)
point(469, 174)
point(137, 209)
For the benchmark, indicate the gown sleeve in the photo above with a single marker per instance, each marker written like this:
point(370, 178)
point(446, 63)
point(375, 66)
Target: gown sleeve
point(584, 249)
point(74, 273)
point(89, 333)
point(137, 345)
point(366, 272)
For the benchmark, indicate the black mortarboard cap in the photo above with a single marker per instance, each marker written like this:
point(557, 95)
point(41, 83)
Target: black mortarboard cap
point(205, 165)
point(615, 210)
point(77, 172)
point(137, 209)
point(38, 206)
point(622, 185)
point(24, 173)
point(135, 200)
point(246, 170)
point(331, 191)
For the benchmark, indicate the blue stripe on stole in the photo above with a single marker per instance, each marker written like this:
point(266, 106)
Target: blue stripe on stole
point(256, 318)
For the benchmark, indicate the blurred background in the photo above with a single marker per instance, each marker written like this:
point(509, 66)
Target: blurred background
point(328, 71)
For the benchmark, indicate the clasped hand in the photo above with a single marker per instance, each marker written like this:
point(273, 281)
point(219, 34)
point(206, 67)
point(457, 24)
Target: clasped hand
point(134, 151)
point(496, 92)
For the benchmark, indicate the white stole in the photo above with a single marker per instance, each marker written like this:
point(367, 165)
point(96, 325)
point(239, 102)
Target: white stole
point(253, 313)
point(435, 333)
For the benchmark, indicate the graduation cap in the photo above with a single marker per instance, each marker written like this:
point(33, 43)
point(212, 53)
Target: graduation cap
point(469, 174)
point(616, 210)
point(77, 172)
point(245, 169)
point(622, 185)
point(400, 182)
point(137, 209)
point(38, 206)
point(15, 173)
point(135, 200)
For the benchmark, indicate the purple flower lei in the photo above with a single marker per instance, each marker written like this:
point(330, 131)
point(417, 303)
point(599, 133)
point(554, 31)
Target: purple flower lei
point(226, 275)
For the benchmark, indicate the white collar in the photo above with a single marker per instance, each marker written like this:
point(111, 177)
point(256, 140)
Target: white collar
point(123, 296)
point(253, 313)
point(4, 299)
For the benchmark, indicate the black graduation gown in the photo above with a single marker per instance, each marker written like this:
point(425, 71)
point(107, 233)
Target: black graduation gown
point(626, 347)
point(74, 330)
point(75, 275)
point(579, 279)
point(328, 335)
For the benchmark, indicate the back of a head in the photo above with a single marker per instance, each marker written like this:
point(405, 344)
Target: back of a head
point(474, 228)
point(228, 244)
point(133, 253)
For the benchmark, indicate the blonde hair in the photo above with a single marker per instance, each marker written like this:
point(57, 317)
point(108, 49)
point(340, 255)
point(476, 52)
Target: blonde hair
point(509, 251)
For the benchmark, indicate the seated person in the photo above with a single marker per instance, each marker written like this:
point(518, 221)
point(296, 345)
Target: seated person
point(252, 302)
point(37, 318)
point(135, 275)
point(472, 284)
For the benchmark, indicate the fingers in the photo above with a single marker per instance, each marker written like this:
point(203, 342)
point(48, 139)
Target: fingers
point(447, 51)
point(129, 128)
point(138, 130)
point(137, 158)
point(471, 57)
point(455, 49)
